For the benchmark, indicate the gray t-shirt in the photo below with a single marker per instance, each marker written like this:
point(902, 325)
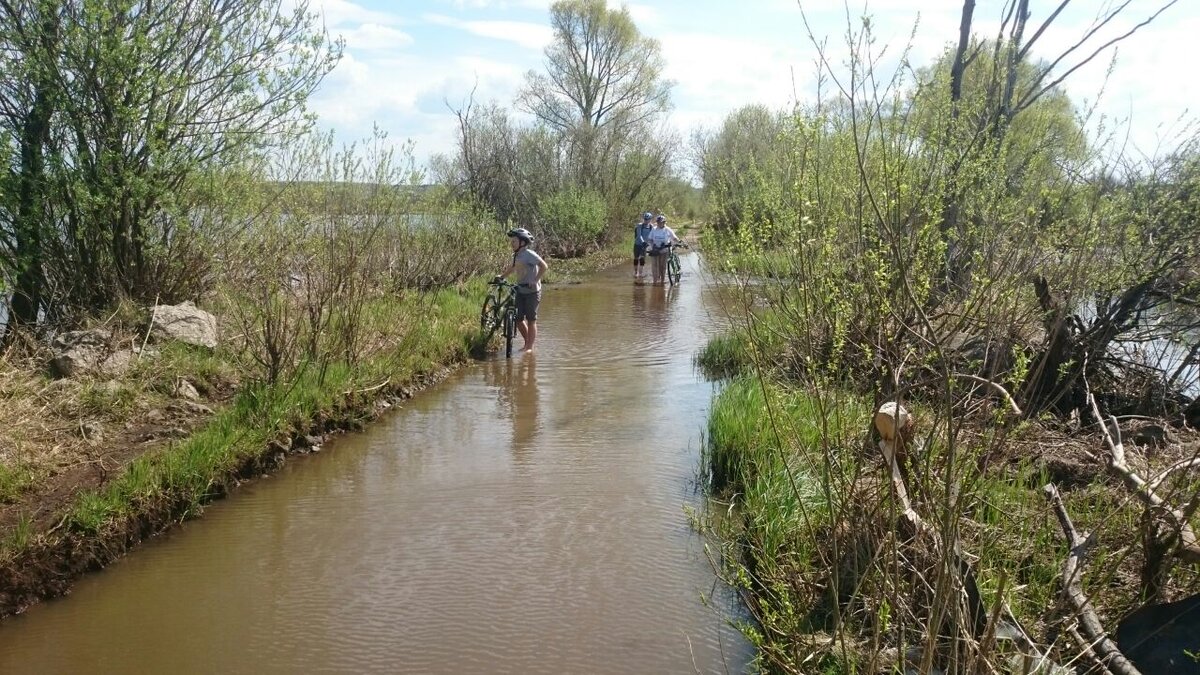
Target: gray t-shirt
point(526, 263)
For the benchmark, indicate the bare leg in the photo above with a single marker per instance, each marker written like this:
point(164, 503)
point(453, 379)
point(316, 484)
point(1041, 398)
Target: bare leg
point(530, 334)
point(523, 330)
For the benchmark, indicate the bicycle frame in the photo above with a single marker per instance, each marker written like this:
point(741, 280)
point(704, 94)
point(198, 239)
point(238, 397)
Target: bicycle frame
point(499, 312)
point(674, 268)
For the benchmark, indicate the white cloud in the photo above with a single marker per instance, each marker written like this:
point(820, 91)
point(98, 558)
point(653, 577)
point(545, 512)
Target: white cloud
point(343, 13)
point(715, 74)
point(409, 96)
point(718, 63)
point(498, 4)
point(643, 15)
point(375, 37)
point(524, 33)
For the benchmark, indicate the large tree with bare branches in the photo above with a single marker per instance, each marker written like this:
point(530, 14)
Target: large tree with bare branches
point(602, 87)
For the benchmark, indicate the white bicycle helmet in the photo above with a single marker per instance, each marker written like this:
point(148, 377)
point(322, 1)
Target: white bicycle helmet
point(522, 234)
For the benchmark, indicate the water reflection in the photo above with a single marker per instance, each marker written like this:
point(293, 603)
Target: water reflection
point(652, 306)
point(515, 383)
point(525, 516)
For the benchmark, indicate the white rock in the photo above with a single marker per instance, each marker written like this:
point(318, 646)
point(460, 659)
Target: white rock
point(185, 390)
point(185, 323)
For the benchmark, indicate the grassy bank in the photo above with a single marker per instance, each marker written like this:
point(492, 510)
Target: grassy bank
point(61, 521)
point(434, 331)
point(815, 549)
point(573, 270)
point(91, 465)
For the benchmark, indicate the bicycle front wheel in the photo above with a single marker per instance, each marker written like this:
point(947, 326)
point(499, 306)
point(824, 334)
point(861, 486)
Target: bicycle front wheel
point(673, 270)
point(510, 329)
point(487, 315)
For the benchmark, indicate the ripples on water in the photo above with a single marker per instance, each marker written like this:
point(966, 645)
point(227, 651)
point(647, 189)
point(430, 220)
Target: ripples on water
point(525, 516)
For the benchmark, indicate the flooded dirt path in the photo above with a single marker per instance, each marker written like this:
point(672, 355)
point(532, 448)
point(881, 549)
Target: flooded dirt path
point(524, 516)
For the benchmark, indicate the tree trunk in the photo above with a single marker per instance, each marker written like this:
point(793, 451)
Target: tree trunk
point(1043, 384)
point(955, 268)
point(31, 209)
point(1012, 63)
point(960, 56)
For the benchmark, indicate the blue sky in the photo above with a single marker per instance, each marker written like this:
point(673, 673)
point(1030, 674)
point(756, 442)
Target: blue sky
point(405, 58)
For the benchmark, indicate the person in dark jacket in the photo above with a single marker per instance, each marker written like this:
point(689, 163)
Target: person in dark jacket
point(641, 239)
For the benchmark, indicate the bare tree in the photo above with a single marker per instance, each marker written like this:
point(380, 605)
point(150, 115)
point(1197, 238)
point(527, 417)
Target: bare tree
point(1017, 81)
point(603, 81)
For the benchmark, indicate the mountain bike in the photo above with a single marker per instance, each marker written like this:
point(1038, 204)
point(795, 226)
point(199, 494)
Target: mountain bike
point(674, 271)
point(499, 312)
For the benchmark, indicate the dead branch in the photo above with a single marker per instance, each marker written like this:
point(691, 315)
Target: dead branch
point(368, 390)
point(1038, 89)
point(1187, 547)
point(1041, 29)
point(1105, 650)
point(911, 527)
point(960, 55)
point(999, 389)
point(1183, 465)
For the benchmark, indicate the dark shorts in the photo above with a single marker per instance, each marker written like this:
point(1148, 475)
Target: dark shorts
point(527, 305)
point(639, 251)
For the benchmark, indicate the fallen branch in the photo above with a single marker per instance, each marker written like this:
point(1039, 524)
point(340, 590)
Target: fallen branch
point(1102, 646)
point(1188, 548)
point(367, 390)
point(149, 329)
point(1183, 465)
point(999, 389)
point(894, 425)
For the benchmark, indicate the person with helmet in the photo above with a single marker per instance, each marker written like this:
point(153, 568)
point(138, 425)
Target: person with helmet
point(660, 238)
point(641, 234)
point(529, 268)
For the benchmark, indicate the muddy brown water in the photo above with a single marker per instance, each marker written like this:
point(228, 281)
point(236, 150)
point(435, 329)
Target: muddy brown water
point(524, 516)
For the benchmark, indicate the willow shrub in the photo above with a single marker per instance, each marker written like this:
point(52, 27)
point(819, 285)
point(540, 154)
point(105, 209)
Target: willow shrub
point(572, 222)
point(345, 229)
point(889, 227)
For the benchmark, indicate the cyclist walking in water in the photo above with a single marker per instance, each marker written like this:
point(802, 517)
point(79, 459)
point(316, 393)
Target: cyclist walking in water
point(530, 268)
point(661, 237)
point(641, 240)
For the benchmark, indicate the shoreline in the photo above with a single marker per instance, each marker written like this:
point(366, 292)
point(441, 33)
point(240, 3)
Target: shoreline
point(48, 568)
point(92, 520)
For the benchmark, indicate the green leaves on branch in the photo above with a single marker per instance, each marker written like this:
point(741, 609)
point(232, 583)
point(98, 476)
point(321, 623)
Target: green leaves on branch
point(119, 109)
point(898, 220)
point(601, 73)
point(571, 220)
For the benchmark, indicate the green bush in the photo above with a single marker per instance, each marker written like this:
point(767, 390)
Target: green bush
point(572, 222)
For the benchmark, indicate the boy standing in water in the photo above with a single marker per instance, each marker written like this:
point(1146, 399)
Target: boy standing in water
point(641, 239)
point(530, 268)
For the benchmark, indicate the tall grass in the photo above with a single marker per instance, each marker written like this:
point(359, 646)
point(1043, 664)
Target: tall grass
point(813, 542)
point(436, 330)
point(15, 477)
point(759, 342)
